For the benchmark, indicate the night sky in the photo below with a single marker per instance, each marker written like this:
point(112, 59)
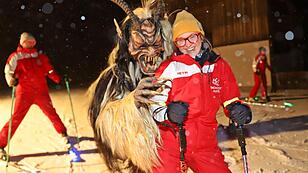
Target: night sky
point(77, 35)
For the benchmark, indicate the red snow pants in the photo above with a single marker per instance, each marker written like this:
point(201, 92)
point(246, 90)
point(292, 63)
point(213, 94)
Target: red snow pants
point(22, 105)
point(200, 156)
point(259, 79)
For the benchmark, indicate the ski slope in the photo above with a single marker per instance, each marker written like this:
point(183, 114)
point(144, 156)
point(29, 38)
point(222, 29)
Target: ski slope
point(277, 139)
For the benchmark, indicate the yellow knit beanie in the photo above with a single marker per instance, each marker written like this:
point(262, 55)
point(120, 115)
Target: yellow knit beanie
point(185, 22)
point(26, 36)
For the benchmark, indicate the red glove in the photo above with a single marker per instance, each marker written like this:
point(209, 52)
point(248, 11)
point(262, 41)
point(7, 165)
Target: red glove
point(53, 75)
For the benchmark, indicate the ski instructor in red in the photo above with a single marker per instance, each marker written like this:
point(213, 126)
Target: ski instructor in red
point(200, 81)
point(27, 69)
point(259, 66)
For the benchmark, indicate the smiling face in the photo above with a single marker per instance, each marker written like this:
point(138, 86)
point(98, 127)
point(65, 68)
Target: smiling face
point(27, 40)
point(146, 46)
point(192, 43)
point(29, 44)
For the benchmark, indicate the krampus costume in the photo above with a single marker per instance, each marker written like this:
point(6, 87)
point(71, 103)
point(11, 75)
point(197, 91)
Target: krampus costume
point(125, 132)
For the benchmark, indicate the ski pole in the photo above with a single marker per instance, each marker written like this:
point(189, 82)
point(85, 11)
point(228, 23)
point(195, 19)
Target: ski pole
point(242, 144)
point(69, 95)
point(10, 128)
point(182, 138)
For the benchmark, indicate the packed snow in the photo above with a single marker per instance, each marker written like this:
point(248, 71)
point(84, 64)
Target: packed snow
point(276, 140)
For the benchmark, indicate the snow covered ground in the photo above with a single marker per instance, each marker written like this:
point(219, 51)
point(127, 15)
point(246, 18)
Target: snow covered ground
point(277, 141)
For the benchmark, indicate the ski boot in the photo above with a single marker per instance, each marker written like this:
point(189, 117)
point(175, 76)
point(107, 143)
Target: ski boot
point(65, 140)
point(3, 155)
point(251, 99)
point(265, 99)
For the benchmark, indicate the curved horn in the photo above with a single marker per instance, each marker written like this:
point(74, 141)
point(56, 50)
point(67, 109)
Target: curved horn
point(125, 7)
point(160, 9)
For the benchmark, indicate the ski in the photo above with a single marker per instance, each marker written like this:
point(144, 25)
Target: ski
point(284, 105)
point(19, 166)
point(281, 106)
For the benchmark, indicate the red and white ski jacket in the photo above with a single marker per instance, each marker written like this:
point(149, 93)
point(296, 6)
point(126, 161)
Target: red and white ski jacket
point(260, 64)
point(31, 69)
point(204, 88)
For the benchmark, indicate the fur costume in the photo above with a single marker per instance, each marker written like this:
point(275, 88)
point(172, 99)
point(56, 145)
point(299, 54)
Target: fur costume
point(128, 136)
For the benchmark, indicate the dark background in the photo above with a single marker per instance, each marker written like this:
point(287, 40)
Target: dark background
point(79, 47)
point(75, 47)
point(289, 16)
point(289, 57)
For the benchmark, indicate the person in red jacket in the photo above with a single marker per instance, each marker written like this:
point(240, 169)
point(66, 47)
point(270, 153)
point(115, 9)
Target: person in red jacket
point(259, 66)
point(27, 69)
point(198, 82)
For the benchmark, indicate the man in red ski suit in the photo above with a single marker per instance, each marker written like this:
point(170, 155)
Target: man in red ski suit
point(259, 67)
point(27, 69)
point(204, 81)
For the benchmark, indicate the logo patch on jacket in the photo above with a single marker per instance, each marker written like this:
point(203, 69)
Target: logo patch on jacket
point(215, 87)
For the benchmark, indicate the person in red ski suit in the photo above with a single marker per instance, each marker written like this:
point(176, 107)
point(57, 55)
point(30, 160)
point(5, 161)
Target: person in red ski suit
point(259, 66)
point(27, 69)
point(201, 80)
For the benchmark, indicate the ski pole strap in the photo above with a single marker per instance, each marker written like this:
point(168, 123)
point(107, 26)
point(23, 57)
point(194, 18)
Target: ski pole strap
point(182, 138)
point(166, 125)
point(241, 139)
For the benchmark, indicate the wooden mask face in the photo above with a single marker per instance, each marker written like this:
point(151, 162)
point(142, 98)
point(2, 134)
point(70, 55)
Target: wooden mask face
point(146, 45)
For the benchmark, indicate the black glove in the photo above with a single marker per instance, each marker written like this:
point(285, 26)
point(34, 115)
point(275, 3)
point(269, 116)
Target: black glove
point(177, 111)
point(13, 82)
point(66, 78)
point(239, 113)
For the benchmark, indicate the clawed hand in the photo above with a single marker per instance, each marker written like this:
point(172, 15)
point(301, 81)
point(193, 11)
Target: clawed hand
point(147, 88)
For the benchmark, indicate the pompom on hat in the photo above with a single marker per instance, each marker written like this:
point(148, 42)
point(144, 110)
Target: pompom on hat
point(26, 36)
point(185, 22)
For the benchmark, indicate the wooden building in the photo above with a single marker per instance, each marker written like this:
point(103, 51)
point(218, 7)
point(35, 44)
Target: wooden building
point(237, 28)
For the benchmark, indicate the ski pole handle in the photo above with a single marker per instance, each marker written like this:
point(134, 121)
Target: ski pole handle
point(242, 144)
